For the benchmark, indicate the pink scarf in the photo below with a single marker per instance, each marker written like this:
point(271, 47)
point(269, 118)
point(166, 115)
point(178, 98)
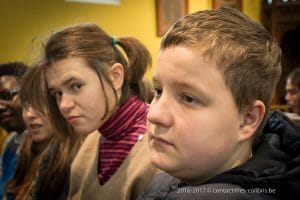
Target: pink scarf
point(119, 134)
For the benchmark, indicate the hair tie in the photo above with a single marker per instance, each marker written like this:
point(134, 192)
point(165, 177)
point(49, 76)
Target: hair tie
point(114, 41)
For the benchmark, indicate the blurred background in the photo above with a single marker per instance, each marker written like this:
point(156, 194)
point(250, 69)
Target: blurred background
point(26, 24)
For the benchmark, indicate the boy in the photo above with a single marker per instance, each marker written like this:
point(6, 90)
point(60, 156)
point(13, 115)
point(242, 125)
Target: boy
point(215, 78)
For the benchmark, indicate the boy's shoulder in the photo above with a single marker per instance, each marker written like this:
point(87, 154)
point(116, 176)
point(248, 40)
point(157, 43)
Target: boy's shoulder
point(164, 186)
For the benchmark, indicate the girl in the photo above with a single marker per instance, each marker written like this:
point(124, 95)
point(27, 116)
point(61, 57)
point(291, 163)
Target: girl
point(95, 83)
point(40, 174)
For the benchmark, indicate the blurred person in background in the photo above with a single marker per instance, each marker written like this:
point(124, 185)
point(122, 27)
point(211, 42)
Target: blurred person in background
point(292, 95)
point(10, 117)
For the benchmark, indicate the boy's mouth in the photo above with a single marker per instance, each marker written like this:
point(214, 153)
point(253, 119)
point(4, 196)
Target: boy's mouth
point(160, 141)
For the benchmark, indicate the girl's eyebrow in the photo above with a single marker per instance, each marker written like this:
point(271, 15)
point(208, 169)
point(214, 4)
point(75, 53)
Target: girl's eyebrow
point(68, 80)
point(65, 82)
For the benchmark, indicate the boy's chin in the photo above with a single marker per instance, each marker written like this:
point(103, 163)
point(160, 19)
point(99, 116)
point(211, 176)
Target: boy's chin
point(164, 163)
point(159, 161)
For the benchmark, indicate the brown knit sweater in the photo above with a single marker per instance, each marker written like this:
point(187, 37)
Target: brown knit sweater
point(127, 183)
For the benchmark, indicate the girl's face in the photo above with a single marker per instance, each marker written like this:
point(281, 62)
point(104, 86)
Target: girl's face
point(79, 94)
point(38, 124)
point(194, 125)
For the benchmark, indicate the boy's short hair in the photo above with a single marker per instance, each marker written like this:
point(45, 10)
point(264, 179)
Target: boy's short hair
point(16, 69)
point(245, 52)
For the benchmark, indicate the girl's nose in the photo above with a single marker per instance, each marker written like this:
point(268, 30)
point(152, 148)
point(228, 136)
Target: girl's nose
point(29, 113)
point(66, 103)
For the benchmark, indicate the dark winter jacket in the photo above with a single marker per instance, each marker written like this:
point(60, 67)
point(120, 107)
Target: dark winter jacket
point(272, 173)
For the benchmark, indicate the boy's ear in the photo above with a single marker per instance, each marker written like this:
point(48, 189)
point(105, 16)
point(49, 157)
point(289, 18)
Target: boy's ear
point(116, 75)
point(251, 120)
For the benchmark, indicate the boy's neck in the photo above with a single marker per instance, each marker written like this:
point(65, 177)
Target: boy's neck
point(242, 154)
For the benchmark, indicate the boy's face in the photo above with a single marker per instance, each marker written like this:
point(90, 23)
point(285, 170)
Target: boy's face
point(194, 125)
point(10, 106)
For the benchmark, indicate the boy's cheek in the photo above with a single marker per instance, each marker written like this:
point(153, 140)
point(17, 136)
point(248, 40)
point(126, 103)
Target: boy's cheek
point(150, 127)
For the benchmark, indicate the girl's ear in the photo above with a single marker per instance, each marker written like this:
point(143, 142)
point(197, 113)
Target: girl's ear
point(252, 119)
point(116, 74)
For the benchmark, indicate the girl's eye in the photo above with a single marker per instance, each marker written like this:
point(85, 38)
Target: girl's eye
point(25, 105)
point(76, 86)
point(56, 94)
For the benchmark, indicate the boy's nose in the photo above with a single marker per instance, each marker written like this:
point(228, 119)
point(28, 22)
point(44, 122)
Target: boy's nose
point(160, 112)
point(3, 106)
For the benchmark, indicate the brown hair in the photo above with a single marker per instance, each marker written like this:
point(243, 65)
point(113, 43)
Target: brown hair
point(100, 51)
point(244, 51)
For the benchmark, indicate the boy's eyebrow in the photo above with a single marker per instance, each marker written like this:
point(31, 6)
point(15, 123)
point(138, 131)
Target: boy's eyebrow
point(154, 80)
point(188, 85)
point(183, 85)
point(198, 90)
point(178, 83)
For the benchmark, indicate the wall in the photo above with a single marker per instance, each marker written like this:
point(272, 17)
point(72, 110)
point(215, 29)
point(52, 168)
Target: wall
point(25, 24)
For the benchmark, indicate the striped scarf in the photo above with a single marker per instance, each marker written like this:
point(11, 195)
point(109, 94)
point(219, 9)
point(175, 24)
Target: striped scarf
point(119, 134)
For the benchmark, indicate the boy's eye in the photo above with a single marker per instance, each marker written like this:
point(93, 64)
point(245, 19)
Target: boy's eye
point(157, 92)
point(189, 99)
